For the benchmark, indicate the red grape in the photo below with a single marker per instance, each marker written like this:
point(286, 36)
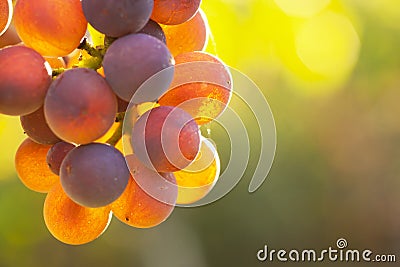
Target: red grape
point(172, 12)
point(56, 155)
point(202, 86)
point(80, 106)
point(22, 92)
point(166, 139)
point(35, 126)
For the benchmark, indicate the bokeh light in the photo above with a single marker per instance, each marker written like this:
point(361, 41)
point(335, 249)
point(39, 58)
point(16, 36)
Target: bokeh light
point(330, 72)
point(328, 44)
point(304, 8)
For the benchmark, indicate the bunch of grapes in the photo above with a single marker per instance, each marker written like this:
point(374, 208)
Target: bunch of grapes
point(73, 82)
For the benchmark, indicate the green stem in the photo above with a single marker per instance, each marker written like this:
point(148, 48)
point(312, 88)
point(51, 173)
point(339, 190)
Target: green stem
point(57, 72)
point(114, 139)
point(84, 45)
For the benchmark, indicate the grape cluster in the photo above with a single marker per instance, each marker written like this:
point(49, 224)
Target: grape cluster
point(71, 79)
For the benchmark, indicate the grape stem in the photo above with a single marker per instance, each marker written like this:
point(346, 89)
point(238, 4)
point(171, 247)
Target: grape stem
point(57, 72)
point(94, 52)
point(117, 135)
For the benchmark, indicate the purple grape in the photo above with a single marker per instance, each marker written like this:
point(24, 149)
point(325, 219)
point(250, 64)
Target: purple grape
point(154, 29)
point(117, 18)
point(134, 58)
point(94, 175)
point(56, 155)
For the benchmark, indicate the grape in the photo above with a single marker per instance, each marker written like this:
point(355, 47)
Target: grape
point(31, 166)
point(172, 12)
point(55, 62)
point(202, 86)
point(6, 10)
point(80, 106)
point(71, 223)
point(139, 207)
point(131, 60)
point(51, 27)
point(117, 18)
point(94, 175)
point(166, 139)
point(189, 36)
point(196, 181)
point(35, 126)
point(56, 155)
point(9, 37)
point(22, 92)
point(154, 29)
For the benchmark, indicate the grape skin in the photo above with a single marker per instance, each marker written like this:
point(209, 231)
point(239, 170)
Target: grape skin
point(131, 60)
point(6, 10)
point(117, 18)
point(154, 29)
point(173, 12)
point(35, 126)
point(80, 106)
point(94, 175)
point(166, 139)
point(31, 166)
point(22, 92)
point(71, 223)
point(51, 27)
point(148, 199)
point(198, 179)
point(56, 155)
point(189, 36)
point(208, 95)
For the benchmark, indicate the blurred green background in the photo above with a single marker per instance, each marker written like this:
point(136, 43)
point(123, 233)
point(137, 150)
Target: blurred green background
point(330, 71)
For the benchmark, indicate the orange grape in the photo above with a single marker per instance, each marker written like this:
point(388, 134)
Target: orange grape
point(32, 168)
point(6, 9)
point(71, 223)
point(51, 27)
point(135, 206)
point(197, 180)
point(138, 209)
point(172, 12)
point(55, 62)
point(203, 90)
point(191, 35)
point(9, 37)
